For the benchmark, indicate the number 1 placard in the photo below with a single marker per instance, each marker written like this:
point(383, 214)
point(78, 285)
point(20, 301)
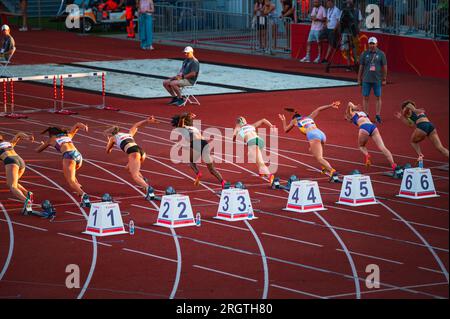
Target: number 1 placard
point(175, 211)
point(105, 220)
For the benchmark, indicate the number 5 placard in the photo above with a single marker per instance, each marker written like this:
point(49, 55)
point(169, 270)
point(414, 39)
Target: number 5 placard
point(357, 191)
point(105, 220)
point(175, 211)
point(235, 204)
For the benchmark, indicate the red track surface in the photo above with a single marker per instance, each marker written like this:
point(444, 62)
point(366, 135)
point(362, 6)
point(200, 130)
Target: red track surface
point(303, 253)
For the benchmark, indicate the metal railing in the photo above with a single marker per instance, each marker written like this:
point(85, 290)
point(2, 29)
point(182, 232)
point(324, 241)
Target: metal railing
point(419, 18)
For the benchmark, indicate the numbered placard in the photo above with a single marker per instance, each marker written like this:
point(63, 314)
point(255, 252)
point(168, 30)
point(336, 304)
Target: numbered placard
point(417, 183)
point(175, 211)
point(357, 190)
point(304, 196)
point(105, 220)
point(235, 204)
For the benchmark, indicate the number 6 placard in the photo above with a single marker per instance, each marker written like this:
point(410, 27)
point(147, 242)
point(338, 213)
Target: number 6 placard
point(175, 211)
point(235, 204)
point(417, 183)
point(105, 220)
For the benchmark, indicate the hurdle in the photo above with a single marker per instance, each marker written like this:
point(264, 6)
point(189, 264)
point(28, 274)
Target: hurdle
point(58, 99)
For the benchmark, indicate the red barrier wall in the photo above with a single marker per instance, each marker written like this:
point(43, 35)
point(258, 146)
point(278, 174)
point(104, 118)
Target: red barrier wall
point(424, 57)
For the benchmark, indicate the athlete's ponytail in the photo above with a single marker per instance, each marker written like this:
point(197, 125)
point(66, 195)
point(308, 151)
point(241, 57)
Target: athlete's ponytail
point(292, 110)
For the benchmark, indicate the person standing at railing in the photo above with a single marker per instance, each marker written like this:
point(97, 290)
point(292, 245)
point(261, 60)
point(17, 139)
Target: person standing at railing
point(268, 11)
point(329, 33)
point(23, 9)
point(259, 21)
point(318, 17)
point(287, 17)
point(8, 44)
point(145, 10)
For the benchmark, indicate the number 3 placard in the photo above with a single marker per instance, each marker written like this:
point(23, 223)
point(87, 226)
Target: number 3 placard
point(235, 204)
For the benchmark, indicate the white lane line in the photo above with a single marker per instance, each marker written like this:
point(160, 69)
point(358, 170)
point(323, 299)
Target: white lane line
point(25, 225)
point(430, 248)
point(144, 207)
point(298, 291)
point(423, 225)
point(94, 239)
point(347, 253)
point(225, 273)
point(83, 239)
point(22, 181)
point(292, 239)
point(396, 288)
point(11, 243)
point(150, 255)
point(432, 270)
point(101, 179)
point(224, 225)
point(372, 257)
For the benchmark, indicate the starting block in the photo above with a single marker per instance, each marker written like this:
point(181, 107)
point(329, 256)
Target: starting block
point(357, 190)
point(175, 211)
point(417, 183)
point(105, 220)
point(235, 204)
point(304, 196)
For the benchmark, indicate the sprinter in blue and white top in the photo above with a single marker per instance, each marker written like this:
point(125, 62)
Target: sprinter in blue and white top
point(61, 140)
point(314, 136)
point(367, 130)
point(15, 166)
point(136, 155)
point(255, 143)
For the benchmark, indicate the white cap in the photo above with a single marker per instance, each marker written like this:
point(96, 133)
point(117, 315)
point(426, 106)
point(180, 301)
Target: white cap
point(5, 27)
point(373, 40)
point(188, 49)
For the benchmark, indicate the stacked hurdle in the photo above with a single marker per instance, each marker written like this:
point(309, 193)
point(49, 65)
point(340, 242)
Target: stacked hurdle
point(58, 101)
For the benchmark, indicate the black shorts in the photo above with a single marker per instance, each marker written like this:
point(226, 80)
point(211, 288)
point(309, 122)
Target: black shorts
point(427, 127)
point(203, 151)
point(329, 35)
point(135, 149)
point(17, 160)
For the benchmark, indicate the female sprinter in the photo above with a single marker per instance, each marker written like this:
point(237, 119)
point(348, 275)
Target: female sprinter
point(314, 136)
point(136, 155)
point(367, 130)
point(254, 142)
point(61, 140)
point(15, 167)
point(198, 147)
point(412, 116)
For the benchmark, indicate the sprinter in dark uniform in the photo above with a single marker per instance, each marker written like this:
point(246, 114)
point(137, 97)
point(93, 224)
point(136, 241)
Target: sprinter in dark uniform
point(15, 167)
point(126, 143)
point(198, 147)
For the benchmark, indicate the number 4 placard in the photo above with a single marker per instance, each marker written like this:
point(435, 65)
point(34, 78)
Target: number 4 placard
point(175, 211)
point(105, 220)
point(235, 204)
point(304, 197)
point(417, 183)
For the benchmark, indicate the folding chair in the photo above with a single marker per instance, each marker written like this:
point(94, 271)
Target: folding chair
point(4, 64)
point(188, 96)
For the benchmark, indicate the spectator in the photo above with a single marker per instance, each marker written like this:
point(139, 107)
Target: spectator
point(350, 24)
point(318, 17)
point(287, 17)
point(23, 9)
point(145, 10)
point(268, 11)
point(259, 21)
point(372, 75)
point(130, 9)
point(410, 22)
point(8, 44)
point(187, 76)
point(388, 12)
point(332, 24)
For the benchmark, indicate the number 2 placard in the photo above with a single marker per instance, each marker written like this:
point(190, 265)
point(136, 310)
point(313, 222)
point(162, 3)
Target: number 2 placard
point(175, 211)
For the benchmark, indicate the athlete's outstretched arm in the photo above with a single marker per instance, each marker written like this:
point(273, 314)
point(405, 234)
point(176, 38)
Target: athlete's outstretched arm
point(316, 112)
point(134, 128)
point(261, 122)
point(404, 119)
point(19, 136)
point(43, 146)
point(110, 145)
point(75, 129)
point(289, 127)
point(350, 111)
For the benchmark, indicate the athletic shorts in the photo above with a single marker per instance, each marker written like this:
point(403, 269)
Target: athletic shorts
point(256, 141)
point(135, 149)
point(316, 134)
point(368, 127)
point(183, 82)
point(15, 159)
point(427, 127)
point(74, 156)
point(313, 36)
point(368, 86)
